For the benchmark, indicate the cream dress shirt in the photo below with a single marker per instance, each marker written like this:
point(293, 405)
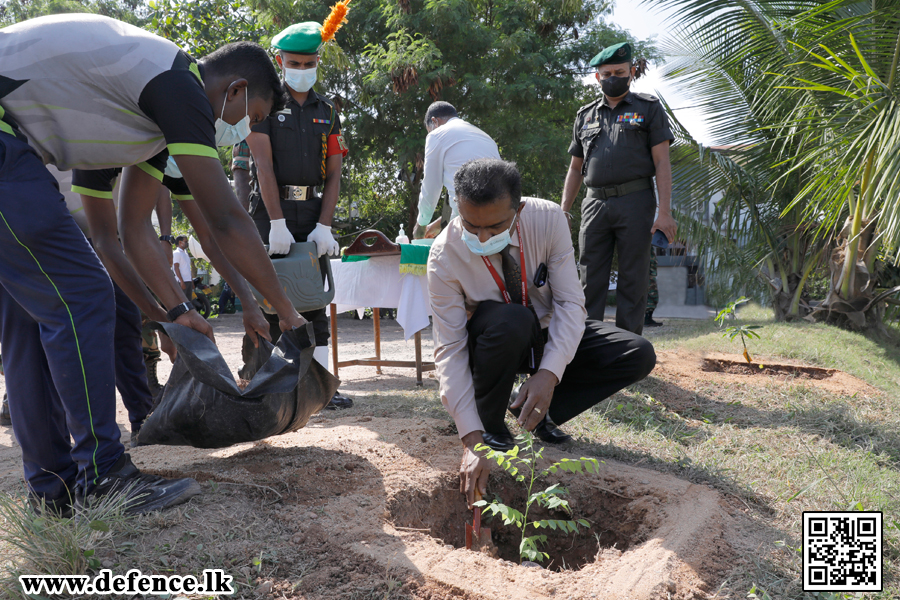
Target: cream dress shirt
point(458, 280)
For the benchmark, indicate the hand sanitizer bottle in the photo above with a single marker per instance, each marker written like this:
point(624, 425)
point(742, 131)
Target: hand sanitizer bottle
point(402, 238)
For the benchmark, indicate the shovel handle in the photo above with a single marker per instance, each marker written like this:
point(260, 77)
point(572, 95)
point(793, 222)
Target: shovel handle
point(476, 520)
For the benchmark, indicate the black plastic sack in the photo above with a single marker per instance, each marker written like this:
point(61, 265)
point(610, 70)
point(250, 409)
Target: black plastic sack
point(202, 405)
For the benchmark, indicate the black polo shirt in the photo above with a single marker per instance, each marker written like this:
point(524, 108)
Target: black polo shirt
point(616, 142)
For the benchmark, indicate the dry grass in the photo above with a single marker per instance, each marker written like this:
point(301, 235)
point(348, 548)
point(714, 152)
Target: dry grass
point(781, 449)
point(778, 450)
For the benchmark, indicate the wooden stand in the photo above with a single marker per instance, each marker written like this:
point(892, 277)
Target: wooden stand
point(376, 361)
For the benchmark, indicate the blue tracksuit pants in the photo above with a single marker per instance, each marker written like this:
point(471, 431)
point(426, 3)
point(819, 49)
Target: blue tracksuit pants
point(57, 317)
point(131, 372)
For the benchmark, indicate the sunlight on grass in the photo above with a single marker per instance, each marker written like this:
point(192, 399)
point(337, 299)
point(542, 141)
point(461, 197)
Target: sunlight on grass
point(779, 448)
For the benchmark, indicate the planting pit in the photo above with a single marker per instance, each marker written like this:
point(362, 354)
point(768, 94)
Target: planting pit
point(616, 522)
point(761, 367)
point(363, 496)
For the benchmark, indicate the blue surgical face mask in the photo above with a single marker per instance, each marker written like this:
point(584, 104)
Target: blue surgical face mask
point(300, 80)
point(492, 246)
point(229, 135)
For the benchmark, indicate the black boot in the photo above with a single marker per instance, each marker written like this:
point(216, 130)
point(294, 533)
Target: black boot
point(648, 320)
point(339, 401)
point(155, 388)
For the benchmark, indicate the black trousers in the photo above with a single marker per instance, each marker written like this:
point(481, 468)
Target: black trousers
point(500, 338)
point(621, 224)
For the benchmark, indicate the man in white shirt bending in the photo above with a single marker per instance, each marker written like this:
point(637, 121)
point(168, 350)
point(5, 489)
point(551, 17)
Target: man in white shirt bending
point(181, 264)
point(451, 142)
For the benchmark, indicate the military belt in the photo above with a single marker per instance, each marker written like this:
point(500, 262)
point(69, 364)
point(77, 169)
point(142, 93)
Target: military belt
point(298, 193)
point(623, 189)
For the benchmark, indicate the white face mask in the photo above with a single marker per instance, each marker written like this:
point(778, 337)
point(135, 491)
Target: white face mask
point(300, 80)
point(229, 135)
point(492, 246)
point(172, 169)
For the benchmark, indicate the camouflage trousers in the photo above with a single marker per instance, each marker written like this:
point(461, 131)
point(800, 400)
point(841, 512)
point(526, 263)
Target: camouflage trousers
point(653, 290)
point(149, 341)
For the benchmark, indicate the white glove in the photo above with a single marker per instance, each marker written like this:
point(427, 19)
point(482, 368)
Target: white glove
point(325, 242)
point(280, 239)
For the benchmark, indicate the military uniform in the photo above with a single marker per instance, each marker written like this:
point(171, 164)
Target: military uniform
point(302, 138)
point(619, 208)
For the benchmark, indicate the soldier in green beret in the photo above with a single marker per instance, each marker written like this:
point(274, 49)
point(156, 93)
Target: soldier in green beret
point(297, 155)
point(619, 143)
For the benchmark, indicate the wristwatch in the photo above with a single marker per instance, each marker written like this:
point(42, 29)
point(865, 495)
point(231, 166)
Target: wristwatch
point(178, 311)
point(167, 238)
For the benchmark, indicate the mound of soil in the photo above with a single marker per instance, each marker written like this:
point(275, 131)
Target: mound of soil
point(687, 370)
point(383, 494)
point(353, 499)
point(718, 365)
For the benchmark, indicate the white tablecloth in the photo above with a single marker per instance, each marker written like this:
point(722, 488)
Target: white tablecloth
point(377, 282)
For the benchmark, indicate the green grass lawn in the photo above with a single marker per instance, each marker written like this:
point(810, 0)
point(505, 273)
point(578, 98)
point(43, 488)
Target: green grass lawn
point(781, 448)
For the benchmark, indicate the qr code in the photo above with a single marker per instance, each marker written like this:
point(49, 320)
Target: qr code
point(842, 551)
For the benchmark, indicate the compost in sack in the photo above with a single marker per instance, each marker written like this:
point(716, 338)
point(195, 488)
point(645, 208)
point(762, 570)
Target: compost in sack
point(202, 405)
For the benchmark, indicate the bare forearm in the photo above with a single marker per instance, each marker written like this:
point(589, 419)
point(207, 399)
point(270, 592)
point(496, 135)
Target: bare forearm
point(145, 254)
point(233, 229)
point(472, 438)
point(122, 272)
point(570, 188)
point(664, 186)
point(242, 187)
point(215, 254)
point(332, 190)
point(164, 211)
point(269, 190)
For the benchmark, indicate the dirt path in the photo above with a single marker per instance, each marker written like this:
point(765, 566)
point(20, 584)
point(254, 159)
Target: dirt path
point(359, 506)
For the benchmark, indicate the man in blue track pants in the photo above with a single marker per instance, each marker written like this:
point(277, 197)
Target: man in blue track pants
point(122, 98)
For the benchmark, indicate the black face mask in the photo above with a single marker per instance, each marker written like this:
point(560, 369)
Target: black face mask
point(614, 86)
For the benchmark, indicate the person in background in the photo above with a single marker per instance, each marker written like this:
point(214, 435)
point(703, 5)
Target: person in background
point(297, 157)
point(619, 143)
point(149, 337)
point(450, 143)
point(181, 264)
point(506, 300)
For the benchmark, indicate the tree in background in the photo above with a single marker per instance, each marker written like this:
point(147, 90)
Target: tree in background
point(511, 67)
point(724, 54)
point(15, 11)
point(201, 26)
point(847, 117)
point(802, 97)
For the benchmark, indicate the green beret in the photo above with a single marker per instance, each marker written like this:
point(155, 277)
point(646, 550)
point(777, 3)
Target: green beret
point(612, 55)
point(302, 38)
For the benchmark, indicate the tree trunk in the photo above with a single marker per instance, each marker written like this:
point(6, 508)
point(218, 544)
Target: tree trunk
point(850, 306)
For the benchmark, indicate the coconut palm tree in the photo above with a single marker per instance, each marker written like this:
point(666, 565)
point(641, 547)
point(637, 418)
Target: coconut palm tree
point(805, 118)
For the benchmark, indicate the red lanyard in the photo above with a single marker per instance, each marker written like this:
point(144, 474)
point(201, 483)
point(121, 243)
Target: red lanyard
point(499, 280)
